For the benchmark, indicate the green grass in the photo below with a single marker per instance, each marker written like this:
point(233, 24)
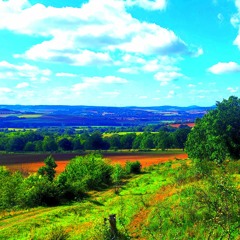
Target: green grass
point(37, 223)
point(30, 115)
point(153, 205)
point(120, 133)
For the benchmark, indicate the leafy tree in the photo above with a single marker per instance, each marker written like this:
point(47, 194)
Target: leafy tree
point(137, 142)
point(77, 145)
point(95, 142)
point(32, 136)
point(147, 141)
point(16, 144)
point(29, 147)
point(49, 169)
point(65, 144)
point(162, 140)
point(3, 140)
point(180, 136)
point(127, 140)
point(49, 144)
point(216, 136)
point(39, 146)
point(114, 141)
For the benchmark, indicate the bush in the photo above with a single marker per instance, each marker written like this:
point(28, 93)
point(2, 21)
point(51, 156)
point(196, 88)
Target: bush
point(38, 191)
point(9, 188)
point(118, 173)
point(70, 190)
point(133, 167)
point(85, 173)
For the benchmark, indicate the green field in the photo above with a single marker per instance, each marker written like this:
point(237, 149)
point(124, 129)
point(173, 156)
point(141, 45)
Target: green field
point(30, 116)
point(21, 115)
point(163, 202)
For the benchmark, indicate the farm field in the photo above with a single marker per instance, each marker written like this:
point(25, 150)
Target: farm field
point(18, 116)
point(30, 163)
point(177, 125)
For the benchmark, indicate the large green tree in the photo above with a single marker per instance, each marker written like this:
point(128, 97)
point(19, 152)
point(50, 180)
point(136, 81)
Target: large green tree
point(216, 136)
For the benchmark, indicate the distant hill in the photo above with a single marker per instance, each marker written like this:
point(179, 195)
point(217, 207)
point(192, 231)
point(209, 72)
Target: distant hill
point(27, 116)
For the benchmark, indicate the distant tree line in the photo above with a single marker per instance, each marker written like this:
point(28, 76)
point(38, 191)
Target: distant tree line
point(48, 141)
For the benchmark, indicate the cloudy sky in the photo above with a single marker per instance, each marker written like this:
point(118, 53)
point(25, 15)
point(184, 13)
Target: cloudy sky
point(119, 52)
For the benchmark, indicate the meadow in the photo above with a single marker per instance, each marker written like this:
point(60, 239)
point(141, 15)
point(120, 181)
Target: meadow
point(172, 200)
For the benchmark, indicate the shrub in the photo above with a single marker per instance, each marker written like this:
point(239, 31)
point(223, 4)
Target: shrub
point(38, 191)
point(70, 190)
point(118, 173)
point(85, 173)
point(133, 167)
point(9, 188)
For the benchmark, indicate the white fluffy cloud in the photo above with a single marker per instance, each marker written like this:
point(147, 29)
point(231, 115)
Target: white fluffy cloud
point(233, 90)
point(148, 4)
point(222, 67)
point(151, 39)
point(63, 74)
point(111, 94)
point(11, 71)
point(5, 90)
point(48, 52)
point(88, 34)
point(237, 3)
point(92, 82)
point(129, 70)
point(235, 20)
point(133, 64)
point(165, 64)
point(22, 85)
point(166, 77)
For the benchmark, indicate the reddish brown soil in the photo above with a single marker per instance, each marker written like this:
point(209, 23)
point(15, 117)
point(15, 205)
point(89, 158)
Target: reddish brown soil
point(140, 219)
point(29, 163)
point(177, 125)
point(147, 159)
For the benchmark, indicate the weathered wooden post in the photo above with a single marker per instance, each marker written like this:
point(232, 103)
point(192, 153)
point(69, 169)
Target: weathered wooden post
point(113, 225)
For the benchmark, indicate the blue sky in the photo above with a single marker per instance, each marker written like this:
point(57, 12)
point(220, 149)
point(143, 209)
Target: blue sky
point(119, 52)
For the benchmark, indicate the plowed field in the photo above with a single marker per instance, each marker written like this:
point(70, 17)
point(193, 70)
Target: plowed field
point(30, 163)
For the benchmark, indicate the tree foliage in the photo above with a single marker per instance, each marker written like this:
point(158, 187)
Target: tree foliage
point(48, 140)
point(84, 173)
point(216, 136)
point(49, 169)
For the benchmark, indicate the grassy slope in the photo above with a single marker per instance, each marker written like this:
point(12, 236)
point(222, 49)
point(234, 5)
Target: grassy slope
point(136, 206)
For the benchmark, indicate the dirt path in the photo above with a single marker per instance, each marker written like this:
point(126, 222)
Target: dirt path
point(139, 219)
point(23, 217)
